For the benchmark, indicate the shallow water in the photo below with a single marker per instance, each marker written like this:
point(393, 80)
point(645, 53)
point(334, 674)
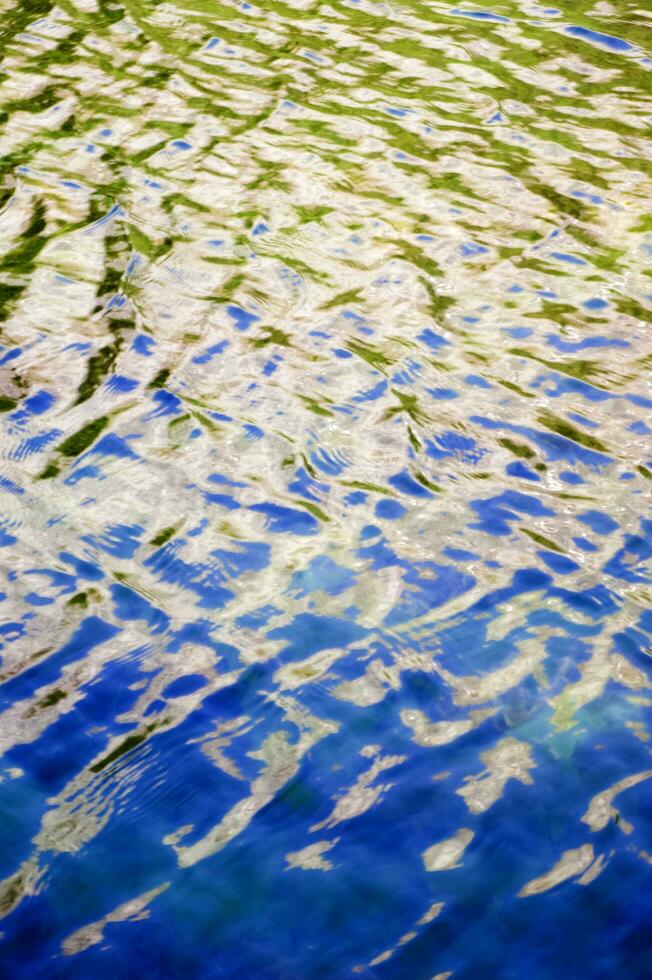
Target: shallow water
point(325, 472)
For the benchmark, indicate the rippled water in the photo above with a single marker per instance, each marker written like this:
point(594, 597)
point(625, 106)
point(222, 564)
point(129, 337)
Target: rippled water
point(325, 490)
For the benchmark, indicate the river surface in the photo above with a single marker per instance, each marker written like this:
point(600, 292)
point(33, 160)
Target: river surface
point(325, 462)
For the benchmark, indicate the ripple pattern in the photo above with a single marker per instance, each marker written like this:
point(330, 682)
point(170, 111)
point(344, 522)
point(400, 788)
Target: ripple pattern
point(325, 530)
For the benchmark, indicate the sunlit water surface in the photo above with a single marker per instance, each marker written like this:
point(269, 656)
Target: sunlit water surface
point(325, 540)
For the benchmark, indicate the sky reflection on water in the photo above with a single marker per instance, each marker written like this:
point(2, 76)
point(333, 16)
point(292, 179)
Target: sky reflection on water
point(325, 534)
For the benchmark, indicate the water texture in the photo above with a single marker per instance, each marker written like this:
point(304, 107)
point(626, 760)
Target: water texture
point(325, 470)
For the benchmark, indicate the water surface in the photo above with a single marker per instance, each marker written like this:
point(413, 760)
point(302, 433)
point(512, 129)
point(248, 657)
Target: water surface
point(325, 471)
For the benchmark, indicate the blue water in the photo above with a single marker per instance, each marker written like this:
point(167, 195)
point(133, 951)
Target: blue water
point(325, 461)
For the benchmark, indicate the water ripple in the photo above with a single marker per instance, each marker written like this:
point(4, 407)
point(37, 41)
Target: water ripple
point(324, 473)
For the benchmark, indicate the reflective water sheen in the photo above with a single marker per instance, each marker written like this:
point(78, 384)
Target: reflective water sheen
point(325, 462)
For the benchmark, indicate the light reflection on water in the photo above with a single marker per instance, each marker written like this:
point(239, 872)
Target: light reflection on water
point(325, 527)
